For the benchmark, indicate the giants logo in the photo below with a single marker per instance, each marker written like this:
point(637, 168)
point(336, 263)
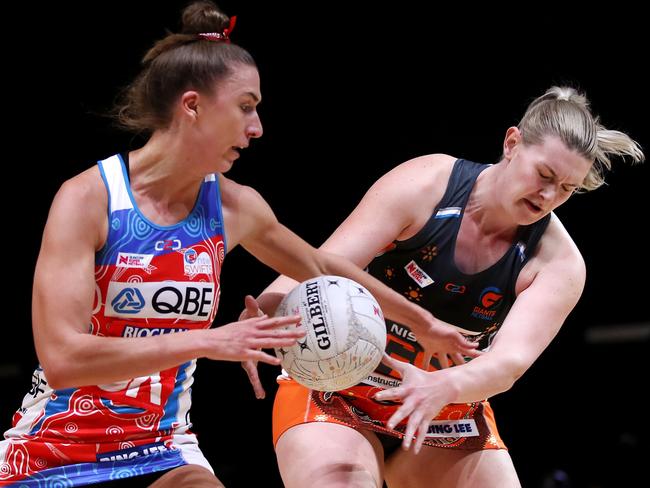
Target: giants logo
point(166, 300)
point(490, 300)
point(490, 297)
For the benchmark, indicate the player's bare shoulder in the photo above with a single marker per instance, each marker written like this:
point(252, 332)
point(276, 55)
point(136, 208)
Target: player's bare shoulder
point(425, 173)
point(237, 198)
point(421, 183)
point(557, 245)
point(557, 253)
point(230, 192)
point(86, 188)
point(244, 211)
point(82, 201)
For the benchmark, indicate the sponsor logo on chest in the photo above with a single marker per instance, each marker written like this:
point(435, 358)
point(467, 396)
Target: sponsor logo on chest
point(166, 300)
point(133, 260)
point(490, 301)
point(196, 263)
point(418, 275)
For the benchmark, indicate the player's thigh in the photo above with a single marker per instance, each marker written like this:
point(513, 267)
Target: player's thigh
point(321, 454)
point(190, 476)
point(436, 467)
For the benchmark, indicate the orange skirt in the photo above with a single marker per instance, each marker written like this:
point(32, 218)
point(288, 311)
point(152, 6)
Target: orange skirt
point(468, 426)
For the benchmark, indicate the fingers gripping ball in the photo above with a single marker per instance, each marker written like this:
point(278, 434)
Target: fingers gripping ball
point(346, 333)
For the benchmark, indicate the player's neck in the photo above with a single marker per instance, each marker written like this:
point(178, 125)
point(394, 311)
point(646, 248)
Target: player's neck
point(159, 172)
point(485, 209)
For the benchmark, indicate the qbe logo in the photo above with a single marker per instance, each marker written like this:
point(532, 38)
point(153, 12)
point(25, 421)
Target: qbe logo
point(193, 301)
point(128, 301)
point(169, 299)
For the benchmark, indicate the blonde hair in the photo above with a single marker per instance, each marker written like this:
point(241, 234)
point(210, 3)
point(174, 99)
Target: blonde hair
point(564, 112)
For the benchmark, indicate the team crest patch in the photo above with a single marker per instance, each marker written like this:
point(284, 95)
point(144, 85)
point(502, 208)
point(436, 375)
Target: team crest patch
point(196, 263)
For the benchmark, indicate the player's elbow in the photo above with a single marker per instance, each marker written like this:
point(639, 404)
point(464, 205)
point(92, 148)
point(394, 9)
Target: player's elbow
point(514, 367)
point(54, 374)
point(58, 371)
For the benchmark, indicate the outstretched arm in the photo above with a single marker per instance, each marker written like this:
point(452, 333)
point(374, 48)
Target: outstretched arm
point(358, 240)
point(279, 248)
point(394, 208)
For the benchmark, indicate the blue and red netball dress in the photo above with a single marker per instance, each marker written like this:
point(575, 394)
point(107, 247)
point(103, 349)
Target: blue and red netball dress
point(423, 269)
point(150, 280)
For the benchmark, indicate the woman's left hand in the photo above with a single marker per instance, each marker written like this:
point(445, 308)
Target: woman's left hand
point(445, 342)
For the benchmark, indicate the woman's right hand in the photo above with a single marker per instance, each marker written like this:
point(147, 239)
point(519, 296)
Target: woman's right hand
point(244, 340)
point(421, 396)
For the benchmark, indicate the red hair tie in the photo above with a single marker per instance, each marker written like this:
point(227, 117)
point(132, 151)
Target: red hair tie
point(220, 36)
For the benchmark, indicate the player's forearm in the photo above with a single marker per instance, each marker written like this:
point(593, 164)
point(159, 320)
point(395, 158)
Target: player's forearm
point(273, 294)
point(394, 306)
point(87, 359)
point(484, 377)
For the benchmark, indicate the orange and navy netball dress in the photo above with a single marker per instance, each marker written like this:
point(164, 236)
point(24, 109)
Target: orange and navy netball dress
point(422, 268)
point(150, 280)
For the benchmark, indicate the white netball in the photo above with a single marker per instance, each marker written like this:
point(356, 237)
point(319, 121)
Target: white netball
point(346, 333)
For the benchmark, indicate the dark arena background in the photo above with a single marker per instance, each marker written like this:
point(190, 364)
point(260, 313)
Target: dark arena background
point(351, 90)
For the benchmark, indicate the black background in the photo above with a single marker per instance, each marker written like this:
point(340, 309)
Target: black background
point(349, 92)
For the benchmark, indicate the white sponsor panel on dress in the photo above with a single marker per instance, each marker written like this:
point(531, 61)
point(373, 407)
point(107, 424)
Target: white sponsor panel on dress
point(381, 381)
point(452, 428)
point(166, 300)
